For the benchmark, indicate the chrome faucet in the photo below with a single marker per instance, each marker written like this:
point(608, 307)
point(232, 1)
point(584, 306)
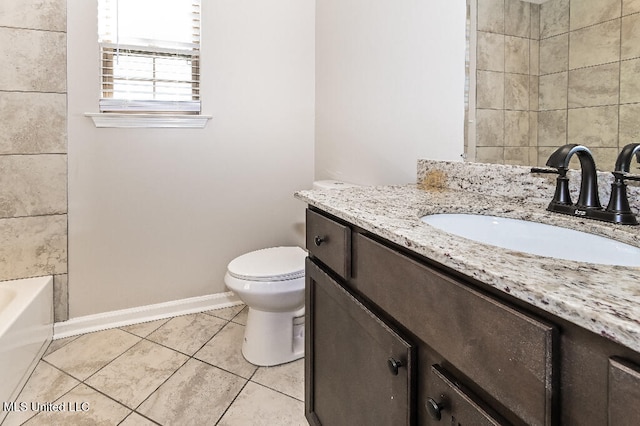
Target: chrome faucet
point(618, 206)
point(588, 199)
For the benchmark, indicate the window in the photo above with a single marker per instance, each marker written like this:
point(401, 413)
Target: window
point(150, 54)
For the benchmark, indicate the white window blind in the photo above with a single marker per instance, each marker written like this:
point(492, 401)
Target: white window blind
point(150, 54)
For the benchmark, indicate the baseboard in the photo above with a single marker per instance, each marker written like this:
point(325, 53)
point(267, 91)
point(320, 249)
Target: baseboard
point(113, 319)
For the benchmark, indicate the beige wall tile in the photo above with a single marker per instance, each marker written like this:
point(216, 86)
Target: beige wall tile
point(533, 157)
point(516, 55)
point(34, 14)
point(554, 18)
point(534, 92)
point(493, 155)
point(590, 12)
point(60, 297)
point(535, 22)
point(489, 127)
point(629, 124)
point(517, 18)
point(516, 92)
point(630, 81)
point(554, 54)
point(594, 86)
point(516, 129)
point(552, 128)
point(534, 57)
point(593, 127)
point(516, 156)
point(490, 56)
point(33, 185)
point(533, 129)
point(630, 6)
point(630, 37)
point(33, 246)
point(544, 153)
point(553, 91)
point(491, 16)
point(490, 89)
point(595, 45)
point(605, 161)
point(33, 123)
point(28, 62)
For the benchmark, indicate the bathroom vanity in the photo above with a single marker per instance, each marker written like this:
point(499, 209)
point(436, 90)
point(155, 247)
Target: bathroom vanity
point(409, 325)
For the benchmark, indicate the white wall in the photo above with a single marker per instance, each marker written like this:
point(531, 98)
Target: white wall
point(156, 215)
point(389, 87)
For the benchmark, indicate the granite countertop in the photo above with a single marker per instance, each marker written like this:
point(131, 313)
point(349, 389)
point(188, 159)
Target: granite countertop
point(603, 299)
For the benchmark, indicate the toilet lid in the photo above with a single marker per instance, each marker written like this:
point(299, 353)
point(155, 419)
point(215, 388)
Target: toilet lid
point(272, 264)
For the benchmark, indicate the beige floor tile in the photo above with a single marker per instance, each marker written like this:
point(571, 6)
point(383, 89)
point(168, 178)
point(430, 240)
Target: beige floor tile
point(241, 318)
point(225, 351)
point(132, 377)
point(145, 328)
point(257, 405)
point(286, 378)
point(136, 419)
point(57, 344)
point(47, 383)
point(187, 333)
point(90, 352)
point(198, 394)
point(226, 313)
point(82, 406)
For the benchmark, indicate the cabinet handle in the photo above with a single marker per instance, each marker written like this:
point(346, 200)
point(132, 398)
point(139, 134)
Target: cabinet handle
point(394, 365)
point(434, 409)
point(318, 240)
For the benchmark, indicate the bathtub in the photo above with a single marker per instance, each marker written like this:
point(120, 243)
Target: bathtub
point(26, 329)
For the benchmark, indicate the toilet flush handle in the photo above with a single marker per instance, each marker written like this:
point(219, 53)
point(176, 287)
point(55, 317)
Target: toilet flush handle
point(318, 240)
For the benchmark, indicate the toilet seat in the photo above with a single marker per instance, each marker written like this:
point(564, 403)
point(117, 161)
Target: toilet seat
point(269, 265)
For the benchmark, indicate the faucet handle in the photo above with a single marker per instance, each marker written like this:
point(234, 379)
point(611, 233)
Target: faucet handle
point(561, 199)
point(630, 176)
point(618, 209)
point(544, 170)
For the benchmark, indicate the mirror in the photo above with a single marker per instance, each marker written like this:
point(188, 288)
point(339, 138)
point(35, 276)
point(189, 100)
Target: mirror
point(543, 75)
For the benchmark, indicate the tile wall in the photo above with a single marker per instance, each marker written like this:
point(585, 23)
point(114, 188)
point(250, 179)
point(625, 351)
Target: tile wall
point(506, 80)
point(583, 78)
point(33, 143)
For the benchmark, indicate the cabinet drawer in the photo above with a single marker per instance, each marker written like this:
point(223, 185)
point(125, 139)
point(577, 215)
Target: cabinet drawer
point(451, 403)
point(624, 393)
point(329, 242)
point(506, 352)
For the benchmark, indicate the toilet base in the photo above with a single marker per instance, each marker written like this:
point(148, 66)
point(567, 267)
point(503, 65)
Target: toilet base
point(272, 338)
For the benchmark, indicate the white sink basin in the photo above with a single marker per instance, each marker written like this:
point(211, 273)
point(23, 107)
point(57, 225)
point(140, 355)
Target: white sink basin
point(537, 238)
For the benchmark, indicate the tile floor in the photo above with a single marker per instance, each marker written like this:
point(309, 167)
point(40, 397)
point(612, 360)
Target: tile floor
point(186, 370)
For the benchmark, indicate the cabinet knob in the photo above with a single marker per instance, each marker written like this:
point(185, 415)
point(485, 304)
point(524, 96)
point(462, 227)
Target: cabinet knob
point(318, 240)
point(434, 409)
point(394, 365)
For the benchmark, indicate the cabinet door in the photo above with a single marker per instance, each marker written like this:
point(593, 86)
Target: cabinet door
point(358, 370)
point(624, 393)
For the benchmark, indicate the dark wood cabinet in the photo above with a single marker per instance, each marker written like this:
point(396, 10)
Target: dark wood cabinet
point(624, 393)
point(359, 370)
point(453, 404)
point(463, 354)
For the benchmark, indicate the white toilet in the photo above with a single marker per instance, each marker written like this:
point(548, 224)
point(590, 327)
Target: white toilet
point(271, 283)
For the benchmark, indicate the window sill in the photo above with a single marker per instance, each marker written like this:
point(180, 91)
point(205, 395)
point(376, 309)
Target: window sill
point(116, 120)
